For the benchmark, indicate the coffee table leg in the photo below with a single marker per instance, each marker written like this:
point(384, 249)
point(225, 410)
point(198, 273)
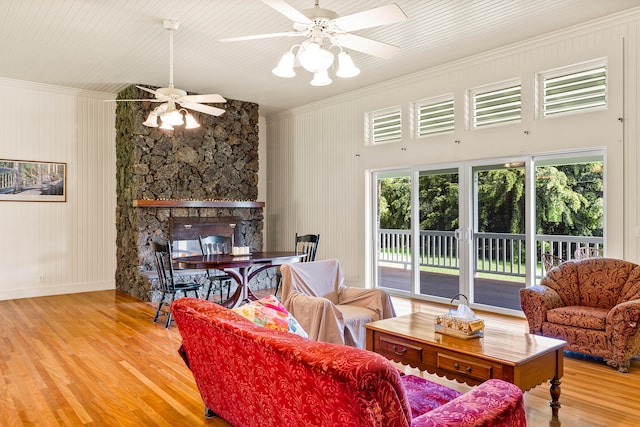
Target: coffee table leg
point(555, 396)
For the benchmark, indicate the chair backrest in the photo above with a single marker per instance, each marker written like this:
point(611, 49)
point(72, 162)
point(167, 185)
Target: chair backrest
point(586, 252)
point(315, 278)
point(307, 244)
point(595, 282)
point(549, 261)
point(215, 245)
point(164, 265)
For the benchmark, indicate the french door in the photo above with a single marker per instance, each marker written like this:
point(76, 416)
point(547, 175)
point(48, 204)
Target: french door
point(423, 234)
point(479, 228)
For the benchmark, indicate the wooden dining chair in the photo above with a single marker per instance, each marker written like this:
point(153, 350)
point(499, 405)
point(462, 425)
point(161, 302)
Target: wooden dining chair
point(217, 245)
point(166, 279)
point(306, 244)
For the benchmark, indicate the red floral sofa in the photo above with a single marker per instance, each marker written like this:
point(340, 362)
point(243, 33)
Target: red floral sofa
point(254, 376)
point(592, 304)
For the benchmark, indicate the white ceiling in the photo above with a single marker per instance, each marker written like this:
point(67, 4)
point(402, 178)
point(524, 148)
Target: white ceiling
point(106, 45)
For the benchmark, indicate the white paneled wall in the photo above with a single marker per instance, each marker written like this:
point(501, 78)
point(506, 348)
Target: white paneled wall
point(319, 163)
point(59, 247)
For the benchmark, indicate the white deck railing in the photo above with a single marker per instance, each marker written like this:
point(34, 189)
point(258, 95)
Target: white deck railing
point(497, 253)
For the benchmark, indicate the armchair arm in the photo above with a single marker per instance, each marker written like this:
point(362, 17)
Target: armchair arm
point(535, 302)
point(492, 403)
point(623, 330)
point(318, 316)
point(377, 300)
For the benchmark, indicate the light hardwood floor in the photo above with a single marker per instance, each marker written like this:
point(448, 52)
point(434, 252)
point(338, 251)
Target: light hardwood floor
point(97, 359)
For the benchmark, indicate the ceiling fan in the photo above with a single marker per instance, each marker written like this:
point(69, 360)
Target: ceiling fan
point(324, 30)
point(173, 98)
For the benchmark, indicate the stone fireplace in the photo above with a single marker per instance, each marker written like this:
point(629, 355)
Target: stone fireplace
point(205, 177)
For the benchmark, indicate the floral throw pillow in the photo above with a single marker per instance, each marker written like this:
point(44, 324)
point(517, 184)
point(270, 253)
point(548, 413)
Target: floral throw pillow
point(270, 313)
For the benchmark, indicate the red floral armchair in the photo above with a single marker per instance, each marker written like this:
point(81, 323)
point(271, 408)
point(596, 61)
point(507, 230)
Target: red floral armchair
point(592, 304)
point(254, 376)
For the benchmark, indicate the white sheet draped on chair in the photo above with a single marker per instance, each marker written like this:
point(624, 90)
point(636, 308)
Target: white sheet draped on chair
point(329, 311)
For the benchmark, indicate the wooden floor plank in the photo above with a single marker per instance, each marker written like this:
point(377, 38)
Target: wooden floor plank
point(97, 359)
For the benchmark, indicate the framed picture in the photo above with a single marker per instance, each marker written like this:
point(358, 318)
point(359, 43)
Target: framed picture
point(23, 181)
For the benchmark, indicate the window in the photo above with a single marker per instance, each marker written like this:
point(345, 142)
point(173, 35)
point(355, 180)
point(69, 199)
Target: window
point(434, 116)
point(385, 125)
point(573, 89)
point(496, 104)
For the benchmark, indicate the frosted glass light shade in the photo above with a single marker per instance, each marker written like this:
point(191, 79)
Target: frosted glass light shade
point(152, 120)
point(191, 122)
point(173, 118)
point(346, 67)
point(166, 126)
point(285, 66)
point(321, 78)
point(315, 58)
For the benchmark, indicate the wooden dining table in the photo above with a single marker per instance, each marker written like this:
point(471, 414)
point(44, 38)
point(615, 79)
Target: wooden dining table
point(242, 268)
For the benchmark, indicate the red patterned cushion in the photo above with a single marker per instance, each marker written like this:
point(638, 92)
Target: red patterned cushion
point(424, 395)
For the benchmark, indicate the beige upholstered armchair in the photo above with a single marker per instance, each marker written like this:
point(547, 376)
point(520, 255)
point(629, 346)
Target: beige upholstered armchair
point(593, 305)
point(329, 311)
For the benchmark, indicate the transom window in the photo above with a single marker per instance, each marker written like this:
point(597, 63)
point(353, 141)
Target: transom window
point(385, 125)
point(573, 89)
point(496, 104)
point(434, 115)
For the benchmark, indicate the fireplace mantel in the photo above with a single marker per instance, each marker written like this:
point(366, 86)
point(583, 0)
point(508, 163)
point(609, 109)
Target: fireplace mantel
point(197, 204)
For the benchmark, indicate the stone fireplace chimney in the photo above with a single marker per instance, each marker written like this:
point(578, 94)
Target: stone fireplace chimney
point(206, 175)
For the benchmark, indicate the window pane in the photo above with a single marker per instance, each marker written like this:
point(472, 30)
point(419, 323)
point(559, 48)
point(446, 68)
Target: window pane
point(569, 206)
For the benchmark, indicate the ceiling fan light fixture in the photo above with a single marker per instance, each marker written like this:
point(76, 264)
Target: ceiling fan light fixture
point(285, 66)
point(314, 58)
point(322, 27)
point(166, 126)
point(152, 120)
point(173, 118)
point(191, 121)
point(346, 67)
point(321, 78)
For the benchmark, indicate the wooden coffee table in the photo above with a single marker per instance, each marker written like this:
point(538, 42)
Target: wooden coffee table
point(520, 358)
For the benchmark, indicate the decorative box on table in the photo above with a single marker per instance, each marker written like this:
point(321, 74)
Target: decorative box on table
point(461, 323)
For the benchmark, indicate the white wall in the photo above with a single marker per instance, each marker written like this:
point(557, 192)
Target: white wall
point(59, 247)
point(319, 163)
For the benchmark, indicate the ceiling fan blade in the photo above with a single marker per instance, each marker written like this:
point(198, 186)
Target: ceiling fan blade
point(383, 15)
point(202, 98)
point(287, 10)
point(261, 36)
point(365, 45)
point(202, 108)
point(158, 95)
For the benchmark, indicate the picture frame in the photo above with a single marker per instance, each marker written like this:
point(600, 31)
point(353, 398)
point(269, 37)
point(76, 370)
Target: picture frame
point(32, 181)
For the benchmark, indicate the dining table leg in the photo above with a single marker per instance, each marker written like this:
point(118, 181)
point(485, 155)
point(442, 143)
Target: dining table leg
point(242, 295)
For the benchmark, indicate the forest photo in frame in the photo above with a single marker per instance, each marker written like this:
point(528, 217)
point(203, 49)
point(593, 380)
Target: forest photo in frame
point(27, 181)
